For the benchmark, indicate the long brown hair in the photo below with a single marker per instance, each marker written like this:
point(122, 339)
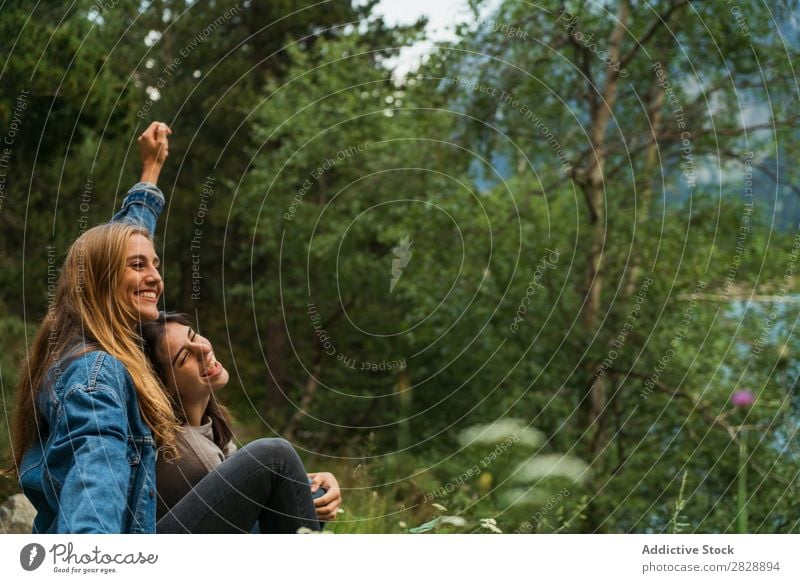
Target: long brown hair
point(86, 314)
point(153, 333)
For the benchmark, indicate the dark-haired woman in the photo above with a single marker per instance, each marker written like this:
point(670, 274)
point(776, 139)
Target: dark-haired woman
point(210, 487)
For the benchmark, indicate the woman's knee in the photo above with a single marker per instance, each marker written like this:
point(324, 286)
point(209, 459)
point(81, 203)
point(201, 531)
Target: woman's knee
point(272, 450)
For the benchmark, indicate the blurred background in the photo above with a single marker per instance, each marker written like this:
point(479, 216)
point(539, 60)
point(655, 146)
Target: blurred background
point(499, 266)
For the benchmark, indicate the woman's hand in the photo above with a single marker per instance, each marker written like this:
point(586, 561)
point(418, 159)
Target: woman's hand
point(327, 505)
point(153, 150)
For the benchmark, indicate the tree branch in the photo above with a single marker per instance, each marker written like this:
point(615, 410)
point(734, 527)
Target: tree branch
point(697, 405)
point(658, 23)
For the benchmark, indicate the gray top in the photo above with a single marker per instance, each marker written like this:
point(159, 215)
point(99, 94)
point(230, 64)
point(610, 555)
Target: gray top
point(197, 456)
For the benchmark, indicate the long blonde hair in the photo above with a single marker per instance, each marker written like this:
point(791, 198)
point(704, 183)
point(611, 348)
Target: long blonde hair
point(86, 310)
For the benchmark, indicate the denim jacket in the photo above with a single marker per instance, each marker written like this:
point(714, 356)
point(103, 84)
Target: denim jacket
point(93, 468)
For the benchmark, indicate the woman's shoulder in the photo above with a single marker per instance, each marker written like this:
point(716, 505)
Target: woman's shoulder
point(91, 369)
point(88, 379)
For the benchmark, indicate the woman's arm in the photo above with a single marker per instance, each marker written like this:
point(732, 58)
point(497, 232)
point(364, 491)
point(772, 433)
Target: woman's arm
point(197, 456)
point(91, 431)
point(154, 149)
point(144, 202)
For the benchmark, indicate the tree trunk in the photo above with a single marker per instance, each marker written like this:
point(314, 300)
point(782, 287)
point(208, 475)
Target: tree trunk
point(593, 187)
point(644, 186)
point(312, 383)
point(275, 350)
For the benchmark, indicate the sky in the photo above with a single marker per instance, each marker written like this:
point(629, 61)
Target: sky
point(442, 15)
point(439, 12)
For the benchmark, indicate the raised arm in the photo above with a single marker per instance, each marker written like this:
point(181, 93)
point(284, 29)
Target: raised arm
point(144, 201)
point(154, 149)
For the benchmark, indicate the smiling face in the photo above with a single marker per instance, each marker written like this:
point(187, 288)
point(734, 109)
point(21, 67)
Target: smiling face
point(188, 360)
point(141, 284)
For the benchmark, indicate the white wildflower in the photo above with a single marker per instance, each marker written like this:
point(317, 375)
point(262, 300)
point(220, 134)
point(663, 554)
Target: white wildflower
point(501, 430)
point(553, 466)
point(490, 524)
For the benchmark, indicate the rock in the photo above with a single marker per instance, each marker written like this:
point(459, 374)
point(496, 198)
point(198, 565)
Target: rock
point(16, 515)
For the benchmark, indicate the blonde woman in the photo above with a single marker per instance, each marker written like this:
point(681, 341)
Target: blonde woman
point(89, 410)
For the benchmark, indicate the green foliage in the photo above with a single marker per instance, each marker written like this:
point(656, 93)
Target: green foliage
point(396, 268)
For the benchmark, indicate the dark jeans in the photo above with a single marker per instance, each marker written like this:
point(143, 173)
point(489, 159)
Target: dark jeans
point(263, 483)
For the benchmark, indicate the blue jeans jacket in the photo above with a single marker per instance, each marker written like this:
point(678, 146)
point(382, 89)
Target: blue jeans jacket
point(93, 468)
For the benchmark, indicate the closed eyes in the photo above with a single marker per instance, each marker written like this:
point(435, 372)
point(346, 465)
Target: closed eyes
point(192, 336)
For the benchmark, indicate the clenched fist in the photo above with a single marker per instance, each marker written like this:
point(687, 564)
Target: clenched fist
point(153, 150)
